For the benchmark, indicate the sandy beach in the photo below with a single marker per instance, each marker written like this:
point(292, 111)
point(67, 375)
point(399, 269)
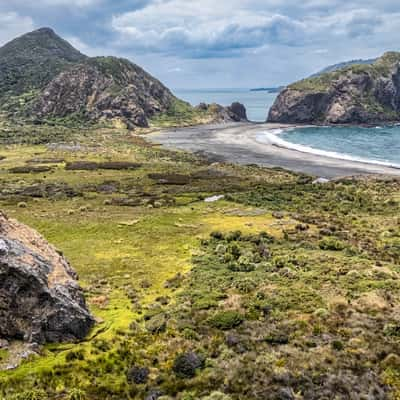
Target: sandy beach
point(238, 143)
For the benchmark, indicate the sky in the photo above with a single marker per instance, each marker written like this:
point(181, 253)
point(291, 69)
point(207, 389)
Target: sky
point(216, 43)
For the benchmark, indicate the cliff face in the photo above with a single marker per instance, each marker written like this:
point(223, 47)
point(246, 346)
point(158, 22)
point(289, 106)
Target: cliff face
point(104, 88)
point(355, 94)
point(40, 300)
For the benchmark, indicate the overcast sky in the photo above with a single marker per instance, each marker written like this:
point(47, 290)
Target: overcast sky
point(216, 43)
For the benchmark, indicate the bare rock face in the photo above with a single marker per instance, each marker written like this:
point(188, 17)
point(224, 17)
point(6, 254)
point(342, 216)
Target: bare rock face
point(355, 94)
point(105, 88)
point(40, 300)
point(234, 113)
point(238, 112)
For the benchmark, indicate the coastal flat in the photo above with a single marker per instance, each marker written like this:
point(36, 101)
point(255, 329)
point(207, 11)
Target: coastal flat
point(237, 143)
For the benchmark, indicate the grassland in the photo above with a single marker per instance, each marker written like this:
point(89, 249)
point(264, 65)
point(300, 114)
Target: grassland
point(282, 290)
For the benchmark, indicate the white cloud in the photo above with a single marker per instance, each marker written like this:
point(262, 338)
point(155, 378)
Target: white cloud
point(215, 29)
point(12, 25)
point(57, 3)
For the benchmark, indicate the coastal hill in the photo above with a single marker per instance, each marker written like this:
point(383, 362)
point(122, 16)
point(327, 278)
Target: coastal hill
point(43, 78)
point(335, 67)
point(360, 93)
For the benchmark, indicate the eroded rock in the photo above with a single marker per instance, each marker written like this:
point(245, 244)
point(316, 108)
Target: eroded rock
point(357, 94)
point(40, 299)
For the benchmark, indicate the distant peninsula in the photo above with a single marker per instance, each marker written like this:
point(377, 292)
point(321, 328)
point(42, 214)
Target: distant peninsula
point(268, 89)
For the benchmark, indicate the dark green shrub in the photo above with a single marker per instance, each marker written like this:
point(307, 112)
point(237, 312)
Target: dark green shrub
point(226, 320)
point(217, 235)
point(332, 244)
point(75, 355)
point(138, 375)
point(337, 345)
point(186, 364)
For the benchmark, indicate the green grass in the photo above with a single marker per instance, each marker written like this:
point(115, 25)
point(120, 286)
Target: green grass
point(296, 280)
point(180, 114)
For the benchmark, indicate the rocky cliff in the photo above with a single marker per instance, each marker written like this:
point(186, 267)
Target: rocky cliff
point(355, 94)
point(40, 300)
point(104, 88)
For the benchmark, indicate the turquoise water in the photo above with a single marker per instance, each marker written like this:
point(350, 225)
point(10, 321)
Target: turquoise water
point(380, 145)
point(256, 103)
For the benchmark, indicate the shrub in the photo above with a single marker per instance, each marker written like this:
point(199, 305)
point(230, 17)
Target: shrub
point(226, 320)
point(157, 324)
point(337, 345)
point(217, 235)
point(186, 364)
point(330, 243)
point(245, 285)
point(75, 355)
point(233, 236)
point(241, 267)
point(34, 394)
point(138, 375)
point(76, 394)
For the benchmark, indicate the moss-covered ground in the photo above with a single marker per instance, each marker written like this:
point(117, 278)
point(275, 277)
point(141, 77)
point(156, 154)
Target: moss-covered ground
point(281, 290)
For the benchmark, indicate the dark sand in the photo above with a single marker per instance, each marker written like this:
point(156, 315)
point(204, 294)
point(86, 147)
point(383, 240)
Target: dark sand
point(237, 143)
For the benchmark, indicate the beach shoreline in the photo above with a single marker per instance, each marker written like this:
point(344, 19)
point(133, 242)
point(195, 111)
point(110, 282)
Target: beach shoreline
point(237, 142)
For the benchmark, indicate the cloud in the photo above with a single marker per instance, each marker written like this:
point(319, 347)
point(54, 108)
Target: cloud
point(230, 28)
point(12, 25)
point(56, 3)
point(203, 29)
point(216, 43)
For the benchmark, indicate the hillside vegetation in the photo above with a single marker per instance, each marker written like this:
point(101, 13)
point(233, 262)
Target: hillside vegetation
point(282, 290)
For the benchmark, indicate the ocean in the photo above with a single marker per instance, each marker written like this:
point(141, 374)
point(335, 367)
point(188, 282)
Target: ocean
point(378, 145)
point(256, 103)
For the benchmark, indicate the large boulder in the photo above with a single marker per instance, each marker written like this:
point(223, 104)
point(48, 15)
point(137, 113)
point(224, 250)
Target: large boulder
point(40, 299)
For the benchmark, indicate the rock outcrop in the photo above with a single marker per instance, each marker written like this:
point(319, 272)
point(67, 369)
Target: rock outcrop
point(40, 300)
point(355, 94)
point(235, 112)
point(105, 88)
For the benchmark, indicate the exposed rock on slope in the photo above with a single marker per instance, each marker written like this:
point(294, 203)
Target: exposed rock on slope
point(105, 87)
point(40, 300)
point(355, 94)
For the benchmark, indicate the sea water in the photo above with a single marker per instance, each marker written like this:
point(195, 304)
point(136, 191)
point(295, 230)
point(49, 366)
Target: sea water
point(257, 103)
point(378, 145)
